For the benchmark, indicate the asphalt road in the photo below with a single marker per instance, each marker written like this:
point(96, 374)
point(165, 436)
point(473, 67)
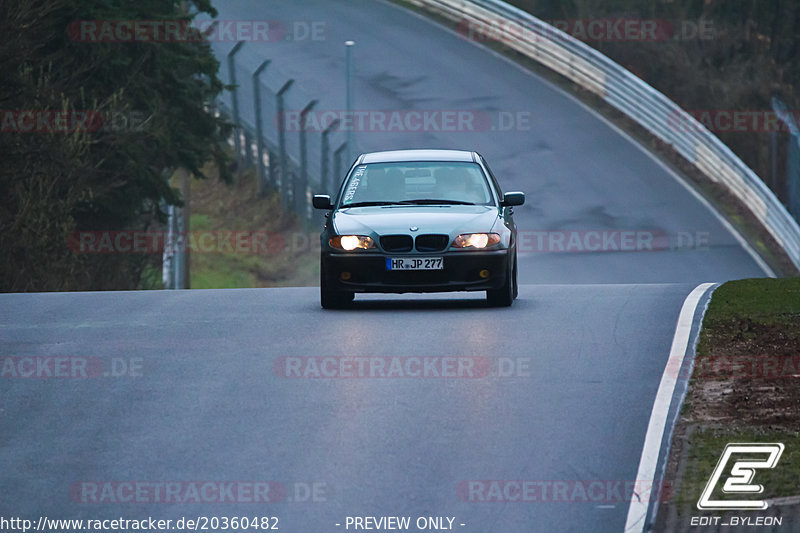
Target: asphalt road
point(207, 402)
point(580, 175)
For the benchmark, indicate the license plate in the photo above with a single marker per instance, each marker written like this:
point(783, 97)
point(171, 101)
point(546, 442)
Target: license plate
point(414, 263)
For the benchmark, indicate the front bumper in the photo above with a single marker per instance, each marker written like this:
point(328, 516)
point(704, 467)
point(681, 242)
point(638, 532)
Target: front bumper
point(367, 272)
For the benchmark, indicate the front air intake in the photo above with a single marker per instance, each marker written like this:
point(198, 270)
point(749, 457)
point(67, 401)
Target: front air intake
point(397, 243)
point(431, 243)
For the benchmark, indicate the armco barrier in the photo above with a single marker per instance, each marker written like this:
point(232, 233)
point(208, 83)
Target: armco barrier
point(629, 94)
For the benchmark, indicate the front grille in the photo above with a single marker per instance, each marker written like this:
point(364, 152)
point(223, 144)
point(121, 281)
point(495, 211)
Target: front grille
point(397, 243)
point(431, 243)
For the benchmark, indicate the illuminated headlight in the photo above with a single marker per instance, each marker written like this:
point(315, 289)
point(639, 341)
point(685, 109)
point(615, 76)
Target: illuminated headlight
point(352, 242)
point(476, 240)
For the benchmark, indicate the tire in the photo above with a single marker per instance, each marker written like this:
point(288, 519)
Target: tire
point(504, 296)
point(330, 298)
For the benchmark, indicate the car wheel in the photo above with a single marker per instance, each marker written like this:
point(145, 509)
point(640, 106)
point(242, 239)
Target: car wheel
point(504, 296)
point(330, 298)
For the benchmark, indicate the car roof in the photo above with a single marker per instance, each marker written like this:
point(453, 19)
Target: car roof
point(396, 156)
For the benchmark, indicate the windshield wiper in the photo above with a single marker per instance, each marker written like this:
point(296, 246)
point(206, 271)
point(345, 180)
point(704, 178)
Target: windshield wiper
point(433, 201)
point(368, 204)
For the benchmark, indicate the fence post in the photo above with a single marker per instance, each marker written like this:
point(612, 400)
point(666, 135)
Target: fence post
point(300, 200)
point(235, 98)
point(337, 161)
point(793, 175)
point(773, 161)
point(247, 151)
point(262, 188)
point(272, 171)
point(324, 166)
point(792, 157)
point(285, 183)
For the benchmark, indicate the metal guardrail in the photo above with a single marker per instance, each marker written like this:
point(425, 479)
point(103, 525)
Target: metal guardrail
point(652, 110)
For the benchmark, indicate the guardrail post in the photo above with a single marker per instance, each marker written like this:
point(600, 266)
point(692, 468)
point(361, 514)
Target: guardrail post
point(284, 183)
point(181, 247)
point(235, 98)
point(172, 273)
point(262, 186)
point(167, 263)
point(300, 200)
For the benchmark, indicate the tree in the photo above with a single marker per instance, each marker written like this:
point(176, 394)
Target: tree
point(145, 103)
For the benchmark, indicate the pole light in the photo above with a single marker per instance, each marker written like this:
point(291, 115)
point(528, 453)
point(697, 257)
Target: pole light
point(348, 59)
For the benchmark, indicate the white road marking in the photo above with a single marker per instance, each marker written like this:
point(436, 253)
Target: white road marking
point(637, 511)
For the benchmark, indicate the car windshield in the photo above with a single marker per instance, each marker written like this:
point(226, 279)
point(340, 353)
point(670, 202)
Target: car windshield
point(423, 183)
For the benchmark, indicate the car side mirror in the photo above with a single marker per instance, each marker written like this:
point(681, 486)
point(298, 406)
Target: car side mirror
point(322, 201)
point(511, 199)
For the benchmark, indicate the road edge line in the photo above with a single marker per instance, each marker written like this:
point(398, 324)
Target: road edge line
point(638, 508)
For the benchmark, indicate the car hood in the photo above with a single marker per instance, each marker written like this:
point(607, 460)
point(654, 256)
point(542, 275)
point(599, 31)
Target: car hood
point(387, 220)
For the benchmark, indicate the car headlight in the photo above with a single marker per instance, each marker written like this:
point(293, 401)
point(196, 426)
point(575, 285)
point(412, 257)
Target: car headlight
point(352, 242)
point(476, 240)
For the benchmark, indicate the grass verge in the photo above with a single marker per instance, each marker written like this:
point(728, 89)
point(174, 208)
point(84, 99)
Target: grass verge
point(745, 388)
point(290, 259)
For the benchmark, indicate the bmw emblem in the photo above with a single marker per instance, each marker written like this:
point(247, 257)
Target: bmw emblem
point(413, 228)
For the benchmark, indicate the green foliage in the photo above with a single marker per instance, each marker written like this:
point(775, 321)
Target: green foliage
point(151, 96)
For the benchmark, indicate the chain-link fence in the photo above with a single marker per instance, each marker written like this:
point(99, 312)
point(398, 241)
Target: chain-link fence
point(272, 133)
